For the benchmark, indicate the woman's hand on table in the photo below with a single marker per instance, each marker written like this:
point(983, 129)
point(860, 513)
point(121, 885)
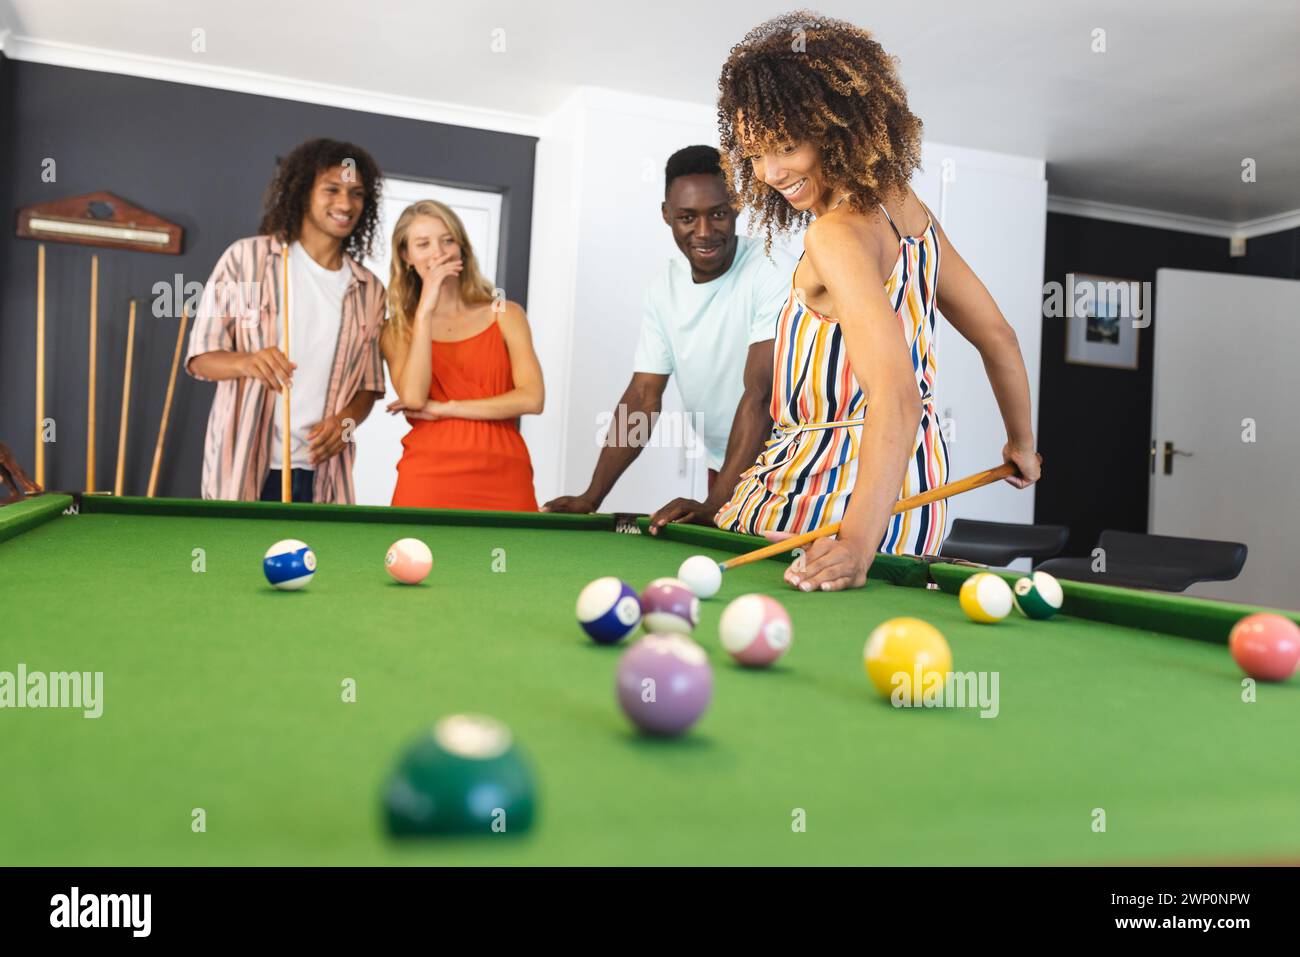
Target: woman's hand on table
point(828, 564)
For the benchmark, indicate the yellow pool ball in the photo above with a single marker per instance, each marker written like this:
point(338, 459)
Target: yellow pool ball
point(985, 597)
point(901, 646)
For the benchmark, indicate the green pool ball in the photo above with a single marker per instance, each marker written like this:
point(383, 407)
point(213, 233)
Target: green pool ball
point(466, 776)
point(1039, 596)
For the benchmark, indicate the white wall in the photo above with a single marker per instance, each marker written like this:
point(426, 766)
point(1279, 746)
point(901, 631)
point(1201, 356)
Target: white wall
point(993, 208)
point(598, 239)
point(552, 272)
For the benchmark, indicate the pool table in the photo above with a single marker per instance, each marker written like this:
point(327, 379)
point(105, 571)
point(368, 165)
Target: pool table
point(223, 694)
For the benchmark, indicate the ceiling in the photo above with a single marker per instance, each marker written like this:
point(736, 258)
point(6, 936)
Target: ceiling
point(1161, 121)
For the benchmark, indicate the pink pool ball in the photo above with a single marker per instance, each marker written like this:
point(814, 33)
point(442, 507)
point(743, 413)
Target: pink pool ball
point(1266, 646)
point(755, 630)
point(409, 561)
point(668, 606)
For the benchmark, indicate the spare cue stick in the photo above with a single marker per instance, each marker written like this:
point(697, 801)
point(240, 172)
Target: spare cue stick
point(40, 365)
point(119, 484)
point(167, 406)
point(1005, 470)
point(90, 387)
point(286, 464)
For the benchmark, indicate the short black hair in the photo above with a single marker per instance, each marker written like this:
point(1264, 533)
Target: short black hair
point(690, 161)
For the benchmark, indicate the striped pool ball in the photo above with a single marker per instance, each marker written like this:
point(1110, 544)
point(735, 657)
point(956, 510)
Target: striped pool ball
point(985, 597)
point(409, 561)
point(608, 610)
point(755, 630)
point(289, 564)
point(669, 606)
point(466, 776)
point(1039, 596)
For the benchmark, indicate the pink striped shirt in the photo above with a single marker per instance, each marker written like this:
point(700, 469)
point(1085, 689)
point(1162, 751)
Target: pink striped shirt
point(240, 312)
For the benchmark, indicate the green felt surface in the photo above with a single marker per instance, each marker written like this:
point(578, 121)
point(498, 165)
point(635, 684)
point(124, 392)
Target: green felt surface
point(223, 694)
point(28, 513)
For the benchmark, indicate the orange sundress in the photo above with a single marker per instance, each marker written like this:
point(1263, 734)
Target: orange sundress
point(467, 463)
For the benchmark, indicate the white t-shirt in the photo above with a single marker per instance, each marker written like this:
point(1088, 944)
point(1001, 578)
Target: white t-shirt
point(702, 332)
point(315, 315)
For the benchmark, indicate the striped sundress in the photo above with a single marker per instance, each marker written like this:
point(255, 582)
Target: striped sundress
point(805, 474)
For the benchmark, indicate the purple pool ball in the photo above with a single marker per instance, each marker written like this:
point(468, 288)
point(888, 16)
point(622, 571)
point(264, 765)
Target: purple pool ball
point(664, 683)
point(668, 606)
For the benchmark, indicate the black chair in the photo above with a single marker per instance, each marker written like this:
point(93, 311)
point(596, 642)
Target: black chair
point(998, 544)
point(1157, 562)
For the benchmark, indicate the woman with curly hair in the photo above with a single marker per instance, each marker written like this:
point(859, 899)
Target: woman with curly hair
point(320, 218)
point(816, 133)
point(463, 365)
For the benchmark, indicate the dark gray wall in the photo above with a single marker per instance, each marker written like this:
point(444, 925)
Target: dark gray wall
point(201, 158)
point(1094, 424)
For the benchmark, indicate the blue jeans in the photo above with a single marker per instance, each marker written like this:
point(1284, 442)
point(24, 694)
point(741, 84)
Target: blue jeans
point(301, 482)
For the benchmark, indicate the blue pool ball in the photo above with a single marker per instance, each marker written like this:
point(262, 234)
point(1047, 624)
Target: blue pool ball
point(609, 610)
point(289, 564)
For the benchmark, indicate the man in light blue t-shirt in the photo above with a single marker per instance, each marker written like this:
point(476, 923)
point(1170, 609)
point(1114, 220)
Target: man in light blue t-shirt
point(710, 319)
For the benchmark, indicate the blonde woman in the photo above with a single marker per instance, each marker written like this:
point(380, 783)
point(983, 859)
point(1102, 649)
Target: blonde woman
point(464, 369)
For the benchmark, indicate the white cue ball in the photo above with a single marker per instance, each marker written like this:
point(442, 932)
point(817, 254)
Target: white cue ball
point(702, 575)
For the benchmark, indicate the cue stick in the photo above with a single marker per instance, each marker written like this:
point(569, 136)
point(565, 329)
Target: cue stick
point(126, 404)
point(286, 464)
point(40, 364)
point(1004, 470)
point(90, 386)
point(167, 406)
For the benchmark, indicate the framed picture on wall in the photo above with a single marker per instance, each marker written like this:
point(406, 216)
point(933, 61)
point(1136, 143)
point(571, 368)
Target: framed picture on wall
point(1105, 319)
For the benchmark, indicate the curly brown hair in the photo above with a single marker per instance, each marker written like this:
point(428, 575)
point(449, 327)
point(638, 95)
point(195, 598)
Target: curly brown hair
point(802, 77)
point(289, 192)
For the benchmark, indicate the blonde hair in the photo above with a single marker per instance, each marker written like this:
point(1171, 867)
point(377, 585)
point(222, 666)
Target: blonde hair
point(405, 284)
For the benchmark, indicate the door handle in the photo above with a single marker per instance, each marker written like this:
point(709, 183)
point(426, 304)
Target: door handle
point(1170, 452)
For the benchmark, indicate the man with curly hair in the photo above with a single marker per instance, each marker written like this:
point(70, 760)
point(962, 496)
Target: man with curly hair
point(320, 217)
point(709, 318)
point(816, 132)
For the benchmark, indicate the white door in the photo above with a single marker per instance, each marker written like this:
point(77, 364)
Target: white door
point(1225, 392)
point(379, 438)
